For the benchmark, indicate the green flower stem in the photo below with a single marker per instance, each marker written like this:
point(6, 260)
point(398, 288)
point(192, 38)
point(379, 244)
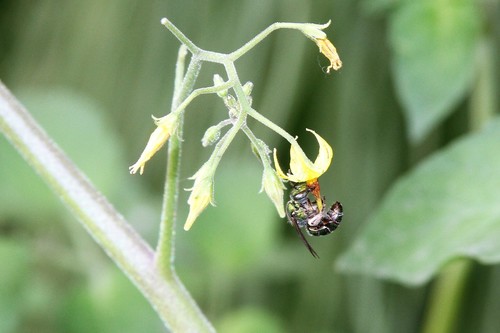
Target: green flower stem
point(202, 91)
point(165, 247)
point(180, 36)
point(260, 150)
point(108, 228)
point(257, 39)
point(225, 141)
point(179, 73)
point(266, 122)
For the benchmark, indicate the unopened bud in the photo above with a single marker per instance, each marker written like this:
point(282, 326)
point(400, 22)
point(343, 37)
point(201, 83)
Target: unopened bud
point(247, 88)
point(201, 193)
point(212, 135)
point(273, 186)
point(217, 82)
point(166, 126)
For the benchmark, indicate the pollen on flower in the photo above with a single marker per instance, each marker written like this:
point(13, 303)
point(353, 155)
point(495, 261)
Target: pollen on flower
point(328, 50)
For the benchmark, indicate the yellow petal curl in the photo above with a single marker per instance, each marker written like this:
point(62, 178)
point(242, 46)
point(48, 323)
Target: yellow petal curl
point(301, 168)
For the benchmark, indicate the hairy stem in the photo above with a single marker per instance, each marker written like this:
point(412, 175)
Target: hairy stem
point(166, 244)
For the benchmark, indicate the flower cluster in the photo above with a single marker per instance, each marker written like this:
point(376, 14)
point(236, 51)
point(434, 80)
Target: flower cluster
point(302, 169)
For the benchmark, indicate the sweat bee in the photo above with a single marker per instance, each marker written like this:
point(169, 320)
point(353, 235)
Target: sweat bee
point(304, 213)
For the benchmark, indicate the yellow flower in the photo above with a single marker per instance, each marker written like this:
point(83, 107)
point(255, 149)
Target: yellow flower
point(301, 168)
point(166, 126)
point(314, 32)
point(201, 193)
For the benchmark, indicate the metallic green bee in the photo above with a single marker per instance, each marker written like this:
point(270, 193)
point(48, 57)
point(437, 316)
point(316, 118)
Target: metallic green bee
point(304, 213)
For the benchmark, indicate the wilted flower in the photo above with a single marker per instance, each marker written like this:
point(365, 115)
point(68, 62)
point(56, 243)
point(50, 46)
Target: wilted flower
point(201, 193)
point(166, 126)
point(315, 32)
point(274, 189)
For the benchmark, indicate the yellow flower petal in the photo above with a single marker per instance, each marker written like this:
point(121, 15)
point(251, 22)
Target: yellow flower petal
point(301, 167)
point(325, 154)
point(278, 167)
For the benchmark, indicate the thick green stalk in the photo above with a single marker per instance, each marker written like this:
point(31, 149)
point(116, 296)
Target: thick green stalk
point(108, 228)
point(446, 297)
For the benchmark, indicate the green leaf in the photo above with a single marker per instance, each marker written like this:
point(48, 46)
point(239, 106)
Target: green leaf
point(434, 45)
point(447, 207)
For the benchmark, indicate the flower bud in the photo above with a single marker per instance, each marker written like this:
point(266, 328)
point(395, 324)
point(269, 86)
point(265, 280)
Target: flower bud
point(212, 135)
point(247, 88)
point(274, 187)
point(217, 82)
point(166, 126)
point(201, 193)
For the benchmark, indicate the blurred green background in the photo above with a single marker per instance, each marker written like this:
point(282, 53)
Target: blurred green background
point(412, 117)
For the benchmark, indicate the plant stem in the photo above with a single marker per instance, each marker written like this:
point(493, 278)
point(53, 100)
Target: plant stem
point(180, 36)
point(108, 228)
point(257, 39)
point(446, 296)
point(166, 244)
point(266, 122)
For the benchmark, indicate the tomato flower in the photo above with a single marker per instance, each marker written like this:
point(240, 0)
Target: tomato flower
point(302, 170)
point(166, 127)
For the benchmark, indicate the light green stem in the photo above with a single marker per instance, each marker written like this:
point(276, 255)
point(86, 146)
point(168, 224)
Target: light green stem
point(446, 297)
point(268, 123)
point(202, 91)
point(180, 36)
point(257, 39)
point(166, 244)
